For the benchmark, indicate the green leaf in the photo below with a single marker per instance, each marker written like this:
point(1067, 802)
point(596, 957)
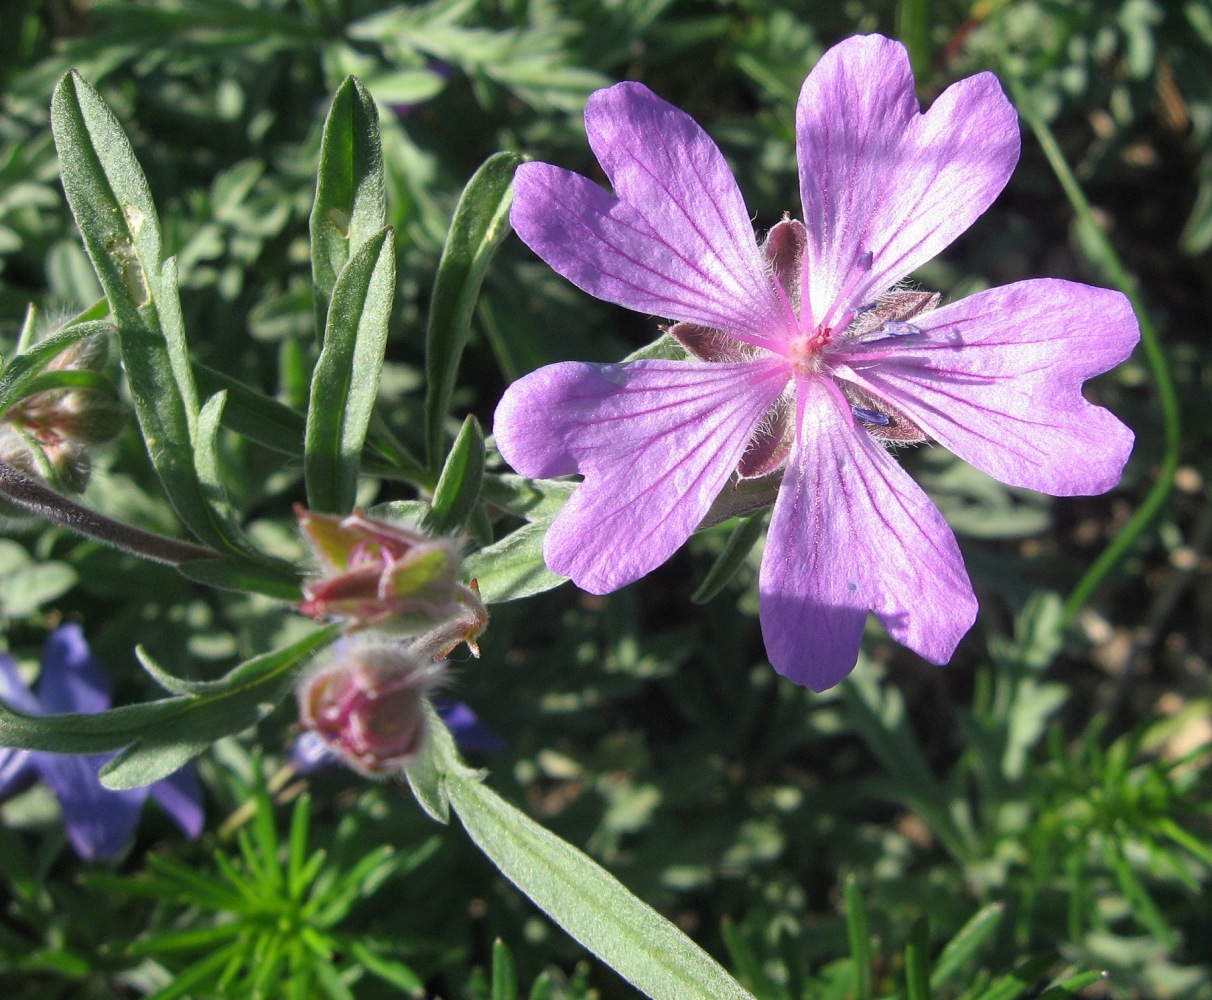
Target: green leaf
point(504, 972)
point(1073, 987)
point(1018, 982)
point(736, 550)
point(858, 930)
point(961, 948)
point(276, 426)
point(389, 970)
point(110, 199)
point(588, 902)
point(426, 774)
point(20, 374)
point(513, 567)
point(351, 199)
point(296, 858)
point(481, 222)
point(346, 380)
point(274, 579)
point(917, 961)
point(254, 415)
point(163, 734)
point(533, 499)
point(112, 204)
point(458, 489)
point(206, 461)
point(913, 27)
point(27, 585)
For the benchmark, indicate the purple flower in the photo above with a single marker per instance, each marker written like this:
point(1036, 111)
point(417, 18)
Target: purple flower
point(99, 821)
point(809, 356)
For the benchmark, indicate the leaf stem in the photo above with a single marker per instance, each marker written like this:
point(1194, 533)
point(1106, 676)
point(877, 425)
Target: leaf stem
point(1108, 261)
point(42, 500)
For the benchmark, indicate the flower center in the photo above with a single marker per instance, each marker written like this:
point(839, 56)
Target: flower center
point(806, 352)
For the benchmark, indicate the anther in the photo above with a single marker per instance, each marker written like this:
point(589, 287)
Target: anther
point(871, 416)
point(888, 331)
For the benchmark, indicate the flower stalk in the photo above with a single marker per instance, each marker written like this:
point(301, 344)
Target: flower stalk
point(45, 502)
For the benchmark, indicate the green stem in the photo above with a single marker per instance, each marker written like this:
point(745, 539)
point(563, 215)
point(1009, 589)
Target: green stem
point(1111, 265)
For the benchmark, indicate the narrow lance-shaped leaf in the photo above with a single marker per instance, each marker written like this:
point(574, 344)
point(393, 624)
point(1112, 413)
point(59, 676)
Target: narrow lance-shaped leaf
point(346, 380)
point(858, 930)
point(351, 199)
point(736, 550)
point(588, 902)
point(276, 426)
point(24, 369)
point(577, 893)
point(513, 567)
point(163, 730)
point(504, 972)
point(458, 489)
point(961, 948)
point(917, 961)
point(481, 222)
point(112, 204)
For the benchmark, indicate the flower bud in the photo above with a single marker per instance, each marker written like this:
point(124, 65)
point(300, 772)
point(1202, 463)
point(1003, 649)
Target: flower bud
point(45, 434)
point(376, 573)
point(368, 705)
point(89, 354)
point(64, 465)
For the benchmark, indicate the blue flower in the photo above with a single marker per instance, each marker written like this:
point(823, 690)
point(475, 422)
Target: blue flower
point(99, 822)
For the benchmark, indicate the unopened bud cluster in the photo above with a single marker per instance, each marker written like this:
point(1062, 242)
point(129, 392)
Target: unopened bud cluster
point(405, 610)
point(48, 434)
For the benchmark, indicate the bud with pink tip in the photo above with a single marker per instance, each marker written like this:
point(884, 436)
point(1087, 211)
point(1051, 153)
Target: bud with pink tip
point(373, 572)
point(368, 704)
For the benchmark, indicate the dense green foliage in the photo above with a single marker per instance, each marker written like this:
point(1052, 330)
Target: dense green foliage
point(1030, 815)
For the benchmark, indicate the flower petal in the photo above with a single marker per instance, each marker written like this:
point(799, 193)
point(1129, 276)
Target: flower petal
point(675, 241)
point(851, 532)
point(181, 797)
point(997, 379)
point(656, 442)
point(879, 177)
point(465, 726)
point(13, 688)
point(17, 772)
point(16, 769)
point(99, 821)
point(72, 679)
point(311, 754)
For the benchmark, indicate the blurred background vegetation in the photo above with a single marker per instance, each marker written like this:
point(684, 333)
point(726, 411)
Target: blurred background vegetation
point(1061, 774)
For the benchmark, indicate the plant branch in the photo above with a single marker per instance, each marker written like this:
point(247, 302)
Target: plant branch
point(45, 502)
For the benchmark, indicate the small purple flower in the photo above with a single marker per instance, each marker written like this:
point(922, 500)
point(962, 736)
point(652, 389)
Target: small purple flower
point(809, 356)
point(99, 821)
